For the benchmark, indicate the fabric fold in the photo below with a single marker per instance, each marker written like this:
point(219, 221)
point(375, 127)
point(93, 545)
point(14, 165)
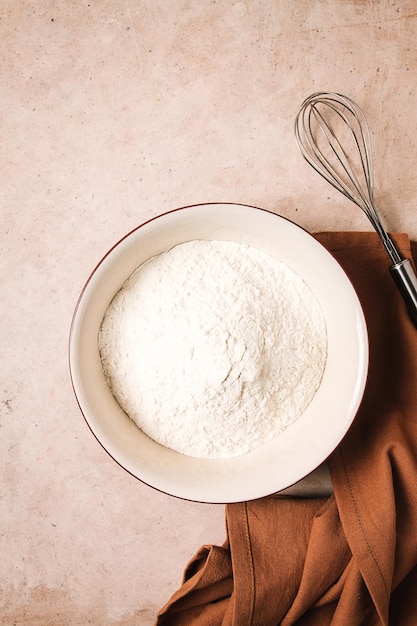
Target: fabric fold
point(203, 597)
point(349, 559)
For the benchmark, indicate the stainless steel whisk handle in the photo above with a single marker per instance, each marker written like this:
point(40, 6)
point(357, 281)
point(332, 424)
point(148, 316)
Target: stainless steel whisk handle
point(406, 281)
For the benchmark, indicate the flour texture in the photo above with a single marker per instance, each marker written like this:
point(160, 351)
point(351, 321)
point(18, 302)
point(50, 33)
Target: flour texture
point(213, 348)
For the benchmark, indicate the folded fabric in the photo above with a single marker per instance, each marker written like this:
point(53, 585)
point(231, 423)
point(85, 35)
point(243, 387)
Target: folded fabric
point(349, 559)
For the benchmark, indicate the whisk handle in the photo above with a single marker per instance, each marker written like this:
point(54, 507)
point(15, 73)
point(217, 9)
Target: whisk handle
point(406, 281)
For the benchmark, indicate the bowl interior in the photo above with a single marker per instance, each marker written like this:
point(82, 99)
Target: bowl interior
point(302, 446)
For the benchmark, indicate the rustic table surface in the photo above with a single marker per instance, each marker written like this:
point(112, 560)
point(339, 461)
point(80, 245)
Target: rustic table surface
point(111, 113)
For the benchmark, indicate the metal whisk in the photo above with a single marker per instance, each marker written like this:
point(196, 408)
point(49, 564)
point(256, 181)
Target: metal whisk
point(333, 136)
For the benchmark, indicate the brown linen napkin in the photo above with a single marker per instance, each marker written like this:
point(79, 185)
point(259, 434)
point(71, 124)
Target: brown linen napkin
point(349, 559)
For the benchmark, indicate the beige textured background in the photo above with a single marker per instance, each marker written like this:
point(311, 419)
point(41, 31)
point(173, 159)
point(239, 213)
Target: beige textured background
point(112, 112)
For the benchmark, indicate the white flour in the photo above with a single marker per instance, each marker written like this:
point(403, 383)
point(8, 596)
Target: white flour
point(213, 348)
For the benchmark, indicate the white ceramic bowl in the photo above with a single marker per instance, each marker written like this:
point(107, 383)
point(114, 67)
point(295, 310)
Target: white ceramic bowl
point(299, 449)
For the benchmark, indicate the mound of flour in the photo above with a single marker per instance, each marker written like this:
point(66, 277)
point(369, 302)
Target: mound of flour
point(213, 348)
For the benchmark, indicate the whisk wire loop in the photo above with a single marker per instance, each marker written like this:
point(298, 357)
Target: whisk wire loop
point(322, 119)
point(338, 152)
